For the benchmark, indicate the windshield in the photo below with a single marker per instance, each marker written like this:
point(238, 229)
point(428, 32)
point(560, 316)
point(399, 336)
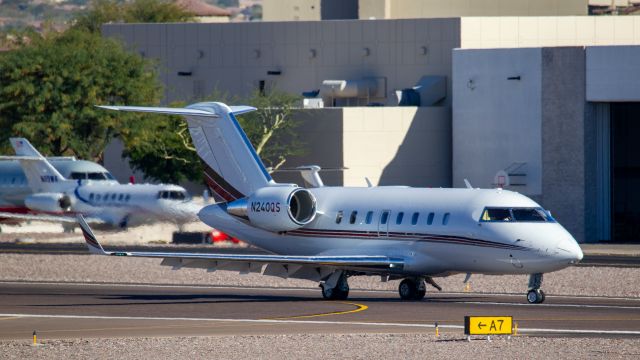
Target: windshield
point(516, 215)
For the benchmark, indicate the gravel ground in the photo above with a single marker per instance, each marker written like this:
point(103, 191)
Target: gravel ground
point(599, 281)
point(322, 346)
point(80, 268)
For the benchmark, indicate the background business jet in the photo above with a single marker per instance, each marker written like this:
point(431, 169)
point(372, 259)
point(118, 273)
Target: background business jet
point(329, 234)
point(102, 201)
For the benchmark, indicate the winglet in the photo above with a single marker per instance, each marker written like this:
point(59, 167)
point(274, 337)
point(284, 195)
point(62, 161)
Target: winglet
point(92, 243)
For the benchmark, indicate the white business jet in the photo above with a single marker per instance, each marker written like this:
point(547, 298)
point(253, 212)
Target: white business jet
point(104, 202)
point(328, 234)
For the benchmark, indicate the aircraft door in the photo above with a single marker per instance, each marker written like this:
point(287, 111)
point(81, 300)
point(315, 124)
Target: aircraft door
point(383, 223)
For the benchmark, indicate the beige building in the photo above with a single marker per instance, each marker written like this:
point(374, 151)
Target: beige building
point(303, 10)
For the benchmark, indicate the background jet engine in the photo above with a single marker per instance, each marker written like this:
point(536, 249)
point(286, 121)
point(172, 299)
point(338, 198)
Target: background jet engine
point(276, 208)
point(49, 202)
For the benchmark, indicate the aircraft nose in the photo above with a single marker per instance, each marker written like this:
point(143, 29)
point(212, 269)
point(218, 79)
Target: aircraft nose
point(570, 250)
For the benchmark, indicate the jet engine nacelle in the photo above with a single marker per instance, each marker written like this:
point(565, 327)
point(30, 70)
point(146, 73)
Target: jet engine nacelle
point(48, 202)
point(277, 208)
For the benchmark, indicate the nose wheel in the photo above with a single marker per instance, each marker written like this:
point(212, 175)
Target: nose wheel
point(535, 295)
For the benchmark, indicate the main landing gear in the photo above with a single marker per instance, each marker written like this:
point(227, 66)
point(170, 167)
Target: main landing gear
point(415, 288)
point(535, 295)
point(335, 287)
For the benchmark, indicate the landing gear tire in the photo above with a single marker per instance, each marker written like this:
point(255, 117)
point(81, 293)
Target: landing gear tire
point(535, 296)
point(412, 289)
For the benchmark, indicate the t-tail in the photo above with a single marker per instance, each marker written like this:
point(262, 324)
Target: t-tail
point(41, 175)
point(232, 167)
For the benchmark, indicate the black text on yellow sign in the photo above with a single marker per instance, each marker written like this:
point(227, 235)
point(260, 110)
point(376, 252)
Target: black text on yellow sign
point(488, 325)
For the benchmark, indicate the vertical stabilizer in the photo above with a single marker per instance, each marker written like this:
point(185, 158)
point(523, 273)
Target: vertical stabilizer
point(41, 175)
point(233, 169)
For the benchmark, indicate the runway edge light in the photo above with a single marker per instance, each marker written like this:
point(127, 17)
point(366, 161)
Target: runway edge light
point(488, 325)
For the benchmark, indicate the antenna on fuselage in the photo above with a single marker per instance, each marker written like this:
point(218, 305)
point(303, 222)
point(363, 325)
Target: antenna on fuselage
point(468, 184)
point(369, 184)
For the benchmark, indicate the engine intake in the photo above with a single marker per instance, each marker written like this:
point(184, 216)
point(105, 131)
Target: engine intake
point(277, 208)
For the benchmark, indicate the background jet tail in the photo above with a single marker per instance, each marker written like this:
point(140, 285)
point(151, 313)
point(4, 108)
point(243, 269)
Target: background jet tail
point(41, 175)
point(232, 167)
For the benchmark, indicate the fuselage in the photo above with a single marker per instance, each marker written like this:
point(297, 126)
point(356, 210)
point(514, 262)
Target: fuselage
point(133, 204)
point(14, 187)
point(437, 231)
point(94, 192)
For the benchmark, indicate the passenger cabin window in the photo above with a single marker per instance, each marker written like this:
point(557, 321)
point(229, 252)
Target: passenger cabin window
point(445, 219)
point(515, 214)
point(97, 197)
point(120, 197)
point(91, 196)
point(339, 217)
point(414, 218)
point(352, 218)
point(127, 197)
point(113, 196)
point(399, 218)
point(430, 218)
point(369, 217)
point(384, 217)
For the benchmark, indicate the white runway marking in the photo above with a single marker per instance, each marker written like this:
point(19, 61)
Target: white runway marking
point(550, 305)
point(315, 322)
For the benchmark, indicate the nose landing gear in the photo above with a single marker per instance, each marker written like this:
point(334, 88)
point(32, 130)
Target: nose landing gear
point(535, 295)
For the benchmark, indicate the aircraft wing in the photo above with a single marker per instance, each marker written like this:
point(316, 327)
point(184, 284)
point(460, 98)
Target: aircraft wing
point(304, 267)
point(44, 217)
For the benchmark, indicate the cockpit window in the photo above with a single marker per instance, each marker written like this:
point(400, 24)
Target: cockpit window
point(497, 215)
point(78, 175)
point(96, 176)
point(516, 214)
point(529, 215)
point(177, 195)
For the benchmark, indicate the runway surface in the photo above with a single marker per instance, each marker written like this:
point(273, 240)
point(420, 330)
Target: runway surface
point(63, 310)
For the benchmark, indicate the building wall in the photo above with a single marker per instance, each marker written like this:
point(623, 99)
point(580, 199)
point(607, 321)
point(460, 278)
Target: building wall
point(390, 146)
point(497, 121)
point(612, 73)
point(397, 146)
point(514, 32)
point(235, 57)
point(405, 9)
point(565, 138)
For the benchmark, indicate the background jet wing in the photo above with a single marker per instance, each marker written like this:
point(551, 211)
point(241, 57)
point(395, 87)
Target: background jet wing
point(43, 217)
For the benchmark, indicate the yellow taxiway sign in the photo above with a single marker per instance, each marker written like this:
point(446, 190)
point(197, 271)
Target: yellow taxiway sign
point(488, 325)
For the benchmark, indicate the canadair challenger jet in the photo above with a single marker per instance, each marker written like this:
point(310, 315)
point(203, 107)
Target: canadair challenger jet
point(328, 234)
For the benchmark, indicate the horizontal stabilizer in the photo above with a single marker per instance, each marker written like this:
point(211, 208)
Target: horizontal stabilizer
point(161, 110)
point(241, 109)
